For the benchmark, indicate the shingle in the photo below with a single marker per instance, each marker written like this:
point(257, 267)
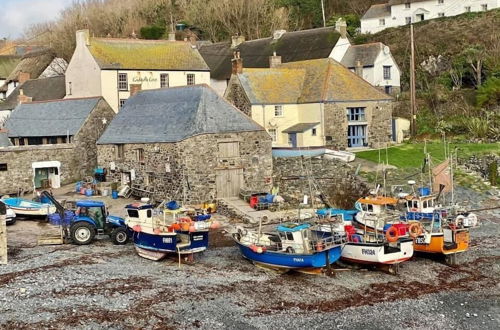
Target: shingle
point(300, 128)
point(292, 46)
point(146, 54)
point(366, 54)
point(52, 118)
point(174, 114)
point(376, 11)
point(43, 89)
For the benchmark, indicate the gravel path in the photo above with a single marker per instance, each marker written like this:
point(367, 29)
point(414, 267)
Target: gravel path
point(106, 286)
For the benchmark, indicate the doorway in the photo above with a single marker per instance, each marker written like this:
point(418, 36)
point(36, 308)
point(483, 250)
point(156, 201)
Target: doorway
point(46, 174)
point(356, 136)
point(228, 182)
point(292, 139)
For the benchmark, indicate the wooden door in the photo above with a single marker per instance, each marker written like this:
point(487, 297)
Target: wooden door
point(228, 182)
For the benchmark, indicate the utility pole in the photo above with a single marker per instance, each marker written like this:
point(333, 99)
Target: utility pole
point(413, 106)
point(323, 11)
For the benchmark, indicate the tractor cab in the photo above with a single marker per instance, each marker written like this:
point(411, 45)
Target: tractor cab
point(93, 212)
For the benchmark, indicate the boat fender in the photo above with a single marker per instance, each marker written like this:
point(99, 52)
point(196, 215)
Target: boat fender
point(257, 249)
point(392, 234)
point(414, 230)
point(192, 229)
point(157, 231)
point(459, 220)
point(320, 246)
point(137, 228)
point(472, 220)
point(185, 220)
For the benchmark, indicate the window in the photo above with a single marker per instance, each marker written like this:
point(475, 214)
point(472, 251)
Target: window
point(388, 90)
point(164, 80)
point(356, 114)
point(122, 82)
point(381, 22)
point(122, 102)
point(21, 141)
point(35, 141)
point(140, 155)
point(133, 213)
point(3, 167)
point(278, 111)
point(407, 5)
point(440, 2)
point(440, 14)
point(467, 9)
point(120, 151)
point(52, 140)
point(313, 132)
point(408, 20)
point(274, 134)
point(484, 7)
point(190, 79)
point(387, 72)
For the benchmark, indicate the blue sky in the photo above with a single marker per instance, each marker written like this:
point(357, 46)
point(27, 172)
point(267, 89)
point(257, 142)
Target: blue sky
point(17, 15)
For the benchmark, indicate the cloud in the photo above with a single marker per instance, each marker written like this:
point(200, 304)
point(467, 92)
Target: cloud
point(17, 15)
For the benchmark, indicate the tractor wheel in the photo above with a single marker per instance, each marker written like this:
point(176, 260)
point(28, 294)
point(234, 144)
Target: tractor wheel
point(82, 233)
point(119, 236)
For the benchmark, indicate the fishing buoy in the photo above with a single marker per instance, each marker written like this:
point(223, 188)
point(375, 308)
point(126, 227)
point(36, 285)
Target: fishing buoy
point(137, 228)
point(392, 234)
point(414, 230)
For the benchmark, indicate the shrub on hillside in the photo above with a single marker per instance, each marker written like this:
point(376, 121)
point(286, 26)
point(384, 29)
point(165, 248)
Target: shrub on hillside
point(488, 95)
point(152, 32)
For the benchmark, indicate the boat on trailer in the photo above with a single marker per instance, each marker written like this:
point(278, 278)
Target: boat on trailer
point(24, 207)
point(291, 246)
point(157, 233)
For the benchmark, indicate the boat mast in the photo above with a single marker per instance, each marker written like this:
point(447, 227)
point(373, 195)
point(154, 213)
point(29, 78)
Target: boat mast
point(412, 85)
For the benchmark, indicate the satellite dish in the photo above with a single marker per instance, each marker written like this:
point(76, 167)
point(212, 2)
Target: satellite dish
point(387, 50)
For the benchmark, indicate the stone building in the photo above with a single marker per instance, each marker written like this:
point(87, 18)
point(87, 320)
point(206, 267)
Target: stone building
point(185, 143)
point(314, 103)
point(54, 143)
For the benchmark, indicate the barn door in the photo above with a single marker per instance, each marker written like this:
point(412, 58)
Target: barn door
point(229, 182)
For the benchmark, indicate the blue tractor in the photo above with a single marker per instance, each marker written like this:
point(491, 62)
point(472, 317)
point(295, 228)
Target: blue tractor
point(90, 218)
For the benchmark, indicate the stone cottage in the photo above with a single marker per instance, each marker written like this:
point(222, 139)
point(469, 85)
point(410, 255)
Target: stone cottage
point(314, 103)
point(185, 143)
point(54, 143)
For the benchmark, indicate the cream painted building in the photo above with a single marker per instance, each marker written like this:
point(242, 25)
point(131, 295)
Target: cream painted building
point(314, 103)
point(117, 68)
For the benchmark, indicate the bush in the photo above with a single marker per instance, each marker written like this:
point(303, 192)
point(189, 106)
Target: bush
point(478, 127)
point(152, 32)
point(488, 95)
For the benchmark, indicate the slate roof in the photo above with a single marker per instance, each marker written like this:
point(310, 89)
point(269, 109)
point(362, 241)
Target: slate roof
point(375, 11)
point(313, 81)
point(366, 54)
point(42, 89)
point(146, 54)
point(300, 128)
point(175, 114)
point(8, 64)
point(50, 118)
point(292, 46)
point(4, 140)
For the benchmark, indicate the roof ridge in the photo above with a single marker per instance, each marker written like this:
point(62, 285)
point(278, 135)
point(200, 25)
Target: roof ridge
point(140, 40)
point(62, 100)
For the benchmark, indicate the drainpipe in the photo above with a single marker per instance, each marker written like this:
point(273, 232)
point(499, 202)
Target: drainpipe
point(264, 117)
point(322, 114)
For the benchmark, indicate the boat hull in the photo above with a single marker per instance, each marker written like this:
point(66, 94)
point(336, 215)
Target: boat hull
point(378, 253)
point(437, 244)
point(291, 261)
point(24, 207)
point(168, 242)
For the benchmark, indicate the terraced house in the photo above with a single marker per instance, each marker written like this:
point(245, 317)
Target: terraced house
point(117, 68)
point(312, 103)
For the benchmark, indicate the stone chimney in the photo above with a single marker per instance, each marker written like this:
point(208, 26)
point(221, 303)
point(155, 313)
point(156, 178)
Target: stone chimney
point(23, 98)
point(359, 69)
point(134, 89)
point(82, 38)
point(341, 27)
point(237, 40)
point(171, 36)
point(274, 61)
point(237, 63)
point(23, 76)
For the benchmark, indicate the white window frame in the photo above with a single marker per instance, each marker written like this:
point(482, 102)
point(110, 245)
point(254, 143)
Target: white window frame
point(408, 5)
point(440, 2)
point(484, 7)
point(467, 9)
point(274, 134)
point(314, 131)
point(387, 72)
point(381, 22)
point(190, 79)
point(164, 80)
point(278, 111)
point(408, 19)
point(121, 103)
point(440, 14)
point(122, 84)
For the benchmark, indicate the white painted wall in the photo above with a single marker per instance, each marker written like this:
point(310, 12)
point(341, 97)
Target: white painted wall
point(219, 86)
point(340, 49)
point(56, 68)
point(377, 74)
point(431, 9)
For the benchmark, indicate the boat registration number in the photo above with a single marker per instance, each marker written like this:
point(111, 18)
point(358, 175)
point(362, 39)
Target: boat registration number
point(369, 252)
point(167, 240)
point(197, 238)
point(420, 240)
point(298, 260)
point(462, 237)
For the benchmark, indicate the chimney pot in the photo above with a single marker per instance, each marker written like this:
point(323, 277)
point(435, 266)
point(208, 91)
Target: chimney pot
point(341, 27)
point(237, 63)
point(274, 61)
point(21, 98)
point(359, 69)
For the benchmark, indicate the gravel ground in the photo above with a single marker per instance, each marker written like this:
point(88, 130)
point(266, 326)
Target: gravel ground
point(106, 286)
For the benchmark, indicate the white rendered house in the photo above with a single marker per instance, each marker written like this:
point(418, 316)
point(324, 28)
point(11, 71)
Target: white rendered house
point(401, 12)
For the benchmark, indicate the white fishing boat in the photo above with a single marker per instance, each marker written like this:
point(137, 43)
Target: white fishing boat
point(344, 156)
point(26, 207)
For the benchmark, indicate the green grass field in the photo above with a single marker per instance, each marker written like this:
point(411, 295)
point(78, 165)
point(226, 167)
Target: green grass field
point(412, 154)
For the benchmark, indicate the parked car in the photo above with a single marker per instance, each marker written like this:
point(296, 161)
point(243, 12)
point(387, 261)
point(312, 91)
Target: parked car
point(10, 215)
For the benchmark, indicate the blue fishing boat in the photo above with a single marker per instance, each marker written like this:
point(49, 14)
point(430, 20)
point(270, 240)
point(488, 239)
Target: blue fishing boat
point(157, 233)
point(24, 207)
point(290, 247)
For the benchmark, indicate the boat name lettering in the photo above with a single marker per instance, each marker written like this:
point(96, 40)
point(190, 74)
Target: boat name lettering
point(197, 238)
point(368, 251)
point(167, 239)
point(298, 259)
point(420, 240)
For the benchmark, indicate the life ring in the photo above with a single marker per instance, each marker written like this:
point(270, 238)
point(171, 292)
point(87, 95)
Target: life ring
point(257, 248)
point(414, 230)
point(472, 219)
point(392, 234)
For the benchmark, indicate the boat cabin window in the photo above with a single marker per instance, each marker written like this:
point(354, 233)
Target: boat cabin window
point(368, 207)
point(390, 207)
point(149, 213)
point(424, 204)
point(289, 236)
point(282, 235)
point(133, 213)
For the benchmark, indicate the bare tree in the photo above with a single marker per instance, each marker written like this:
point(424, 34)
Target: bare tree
point(475, 56)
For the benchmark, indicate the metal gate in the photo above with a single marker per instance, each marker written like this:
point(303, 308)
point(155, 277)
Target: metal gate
point(228, 182)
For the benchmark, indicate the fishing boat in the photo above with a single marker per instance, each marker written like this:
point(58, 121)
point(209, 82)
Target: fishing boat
point(157, 233)
point(291, 246)
point(24, 207)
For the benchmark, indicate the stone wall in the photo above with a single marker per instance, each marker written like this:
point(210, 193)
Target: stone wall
point(187, 170)
point(334, 179)
point(19, 174)
point(483, 165)
point(236, 95)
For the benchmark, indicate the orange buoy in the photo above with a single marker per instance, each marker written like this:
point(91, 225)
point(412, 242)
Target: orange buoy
point(176, 226)
point(137, 228)
point(392, 234)
point(156, 231)
point(192, 229)
point(415, 230)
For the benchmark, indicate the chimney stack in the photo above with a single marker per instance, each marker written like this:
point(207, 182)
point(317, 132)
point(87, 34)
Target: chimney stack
point(23, 76)
point(237, 40)
point(171, 36)
point(134, 89)
point(237, 63)
point(274, 61)
point(82, 38)
point(23, 98)
point(341, 27)
point(359, 69)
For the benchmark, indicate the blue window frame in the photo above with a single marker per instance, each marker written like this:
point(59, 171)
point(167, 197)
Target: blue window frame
point(356, 136)
point(356, 114)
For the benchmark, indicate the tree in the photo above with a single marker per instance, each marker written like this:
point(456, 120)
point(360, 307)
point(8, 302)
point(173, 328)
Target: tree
point(488, 95)
point(475, 56)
